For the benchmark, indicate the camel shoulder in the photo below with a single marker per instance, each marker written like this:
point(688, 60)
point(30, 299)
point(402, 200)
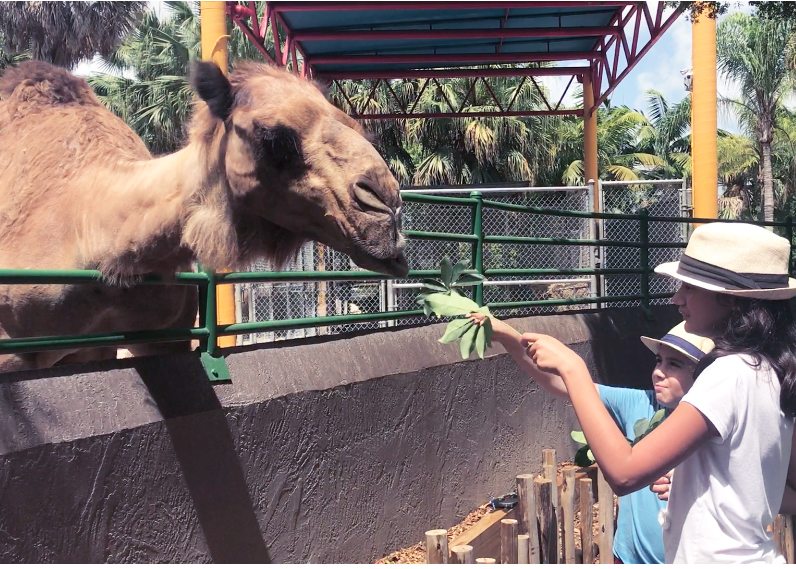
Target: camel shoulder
point(43, 84)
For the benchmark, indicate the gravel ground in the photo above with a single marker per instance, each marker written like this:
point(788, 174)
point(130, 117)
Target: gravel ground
point(417, 552)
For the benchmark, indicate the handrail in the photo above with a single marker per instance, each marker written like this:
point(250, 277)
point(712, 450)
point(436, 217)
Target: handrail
point(208, 331)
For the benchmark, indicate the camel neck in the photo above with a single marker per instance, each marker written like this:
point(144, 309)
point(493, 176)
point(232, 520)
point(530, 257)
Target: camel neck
point(141, 226)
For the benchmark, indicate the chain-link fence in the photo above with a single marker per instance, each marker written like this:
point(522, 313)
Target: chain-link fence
point(290, 300)
point(427, 254)
point(662, 198)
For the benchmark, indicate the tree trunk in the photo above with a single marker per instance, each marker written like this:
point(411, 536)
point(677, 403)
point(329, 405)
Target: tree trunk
point(767, 179)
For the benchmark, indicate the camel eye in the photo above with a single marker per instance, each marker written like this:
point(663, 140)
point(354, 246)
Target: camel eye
point(280, 145)
point(367, 197)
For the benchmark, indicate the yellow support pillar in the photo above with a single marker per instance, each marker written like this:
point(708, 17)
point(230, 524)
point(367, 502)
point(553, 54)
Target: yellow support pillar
point(590, 169)
point(704, 162)
point(213, 21)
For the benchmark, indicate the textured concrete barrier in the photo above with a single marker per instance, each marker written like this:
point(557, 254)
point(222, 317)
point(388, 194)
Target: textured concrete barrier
point(318, 451)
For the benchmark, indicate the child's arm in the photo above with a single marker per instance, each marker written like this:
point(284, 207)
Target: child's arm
point(626, 468)
point(510, 339)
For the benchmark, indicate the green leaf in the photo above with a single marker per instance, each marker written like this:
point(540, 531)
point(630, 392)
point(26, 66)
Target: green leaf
point(640, 427)
point(578, 437)
point(468, 339)
point(487, 329)
point(656, 419)
point(480, 341)
point(460, 267)
point(429, 285)
point(455, 330)
point(452, 304)
point(447, 272)
point(470, 279)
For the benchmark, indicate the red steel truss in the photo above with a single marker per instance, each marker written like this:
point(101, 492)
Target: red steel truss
point(618, 47)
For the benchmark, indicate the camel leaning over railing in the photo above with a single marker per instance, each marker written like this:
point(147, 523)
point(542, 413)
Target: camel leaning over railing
point(269, 164)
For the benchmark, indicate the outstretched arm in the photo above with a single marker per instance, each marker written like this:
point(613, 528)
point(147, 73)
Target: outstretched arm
point(626, 468)
point(509, 338)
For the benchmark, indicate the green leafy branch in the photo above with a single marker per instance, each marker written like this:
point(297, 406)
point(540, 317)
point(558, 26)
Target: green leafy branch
point(641, 428)
point(440, 297)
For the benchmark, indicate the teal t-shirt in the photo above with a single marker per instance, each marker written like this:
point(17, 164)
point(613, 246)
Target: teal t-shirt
point(639, 536)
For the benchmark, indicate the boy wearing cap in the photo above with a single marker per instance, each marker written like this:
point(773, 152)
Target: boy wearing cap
point(639, 537)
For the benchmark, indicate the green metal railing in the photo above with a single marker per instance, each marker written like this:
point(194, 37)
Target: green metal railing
point(208, 331)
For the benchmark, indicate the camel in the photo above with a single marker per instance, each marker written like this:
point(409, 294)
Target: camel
point(269, 164)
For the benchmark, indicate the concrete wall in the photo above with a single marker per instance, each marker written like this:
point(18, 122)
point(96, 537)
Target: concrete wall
point(318, 451)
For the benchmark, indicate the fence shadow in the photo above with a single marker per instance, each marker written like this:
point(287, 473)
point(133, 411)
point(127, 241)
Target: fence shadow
point(205, 449)
point(613, 358)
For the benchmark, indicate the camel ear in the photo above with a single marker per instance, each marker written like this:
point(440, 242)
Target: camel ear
point(214, 89)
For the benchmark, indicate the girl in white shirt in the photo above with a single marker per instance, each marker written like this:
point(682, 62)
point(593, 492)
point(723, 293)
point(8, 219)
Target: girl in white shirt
point(730, 438)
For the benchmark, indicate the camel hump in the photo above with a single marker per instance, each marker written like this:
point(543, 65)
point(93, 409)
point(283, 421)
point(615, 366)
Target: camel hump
point(45, 84)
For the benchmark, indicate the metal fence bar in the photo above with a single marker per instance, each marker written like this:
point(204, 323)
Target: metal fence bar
point(208, 330)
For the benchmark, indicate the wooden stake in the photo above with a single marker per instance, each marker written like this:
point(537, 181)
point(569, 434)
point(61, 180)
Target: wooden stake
point(788, 542)
point(526, 504)
point(485, 560)
point(549, 467)
point(550, 471)
point(548, 534)
point(605, 497)
point(462, 555)
point(568, 514)
point(523, 548)
point(508, 541)
point(436, 546)
point(586, 515)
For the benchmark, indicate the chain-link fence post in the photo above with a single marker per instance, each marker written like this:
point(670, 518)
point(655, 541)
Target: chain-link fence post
point(644, 239)
point(789, 233)
point(478, 246)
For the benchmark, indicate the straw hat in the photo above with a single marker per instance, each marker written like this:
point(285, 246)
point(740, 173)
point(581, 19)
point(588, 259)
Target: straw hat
point(735, 258)
point(690, 345)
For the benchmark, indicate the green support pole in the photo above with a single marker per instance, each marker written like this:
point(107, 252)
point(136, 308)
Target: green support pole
point(644, 251)
point(478, 246)
point(212, 360)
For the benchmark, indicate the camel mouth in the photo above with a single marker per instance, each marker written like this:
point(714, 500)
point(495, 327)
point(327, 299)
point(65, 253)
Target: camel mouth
point(396, 266)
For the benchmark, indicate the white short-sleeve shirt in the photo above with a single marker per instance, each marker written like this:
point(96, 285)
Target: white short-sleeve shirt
point(726, 493)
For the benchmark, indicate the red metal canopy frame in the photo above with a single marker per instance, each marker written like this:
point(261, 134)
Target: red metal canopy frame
point(617, 48)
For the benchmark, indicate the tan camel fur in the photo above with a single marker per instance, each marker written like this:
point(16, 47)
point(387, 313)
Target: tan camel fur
point(269, 164)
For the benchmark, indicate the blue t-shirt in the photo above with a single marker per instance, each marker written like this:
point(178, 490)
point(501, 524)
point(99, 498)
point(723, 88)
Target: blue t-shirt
point(639, 536)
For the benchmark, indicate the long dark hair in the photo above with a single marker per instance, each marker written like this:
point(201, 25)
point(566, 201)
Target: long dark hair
point(764, 330)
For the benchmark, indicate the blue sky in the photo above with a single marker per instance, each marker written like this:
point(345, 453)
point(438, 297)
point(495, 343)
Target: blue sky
point(660, 70)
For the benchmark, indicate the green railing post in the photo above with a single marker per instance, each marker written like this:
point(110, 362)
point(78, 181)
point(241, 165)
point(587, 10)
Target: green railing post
point(478, 245)
point(644, 251)
point(211, 357)
point(789, 233)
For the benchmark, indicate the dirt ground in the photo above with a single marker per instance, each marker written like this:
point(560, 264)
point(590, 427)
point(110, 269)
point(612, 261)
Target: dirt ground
point(417, 553)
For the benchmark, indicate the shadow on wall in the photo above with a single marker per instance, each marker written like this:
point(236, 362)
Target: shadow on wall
point(207, 456)
point(617, 348)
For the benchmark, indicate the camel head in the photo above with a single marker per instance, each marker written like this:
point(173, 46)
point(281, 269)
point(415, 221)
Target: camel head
point(297, 168)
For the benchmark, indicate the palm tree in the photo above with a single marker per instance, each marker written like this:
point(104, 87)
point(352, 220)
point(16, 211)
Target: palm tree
point(619, 156)
point(63, 33)
point(750, 51)
point(477, 150)
point(146, 79)
point(668, 136)
point(10, 58)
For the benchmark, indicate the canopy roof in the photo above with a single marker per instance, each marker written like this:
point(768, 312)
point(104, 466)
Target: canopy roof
point(389, 40)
